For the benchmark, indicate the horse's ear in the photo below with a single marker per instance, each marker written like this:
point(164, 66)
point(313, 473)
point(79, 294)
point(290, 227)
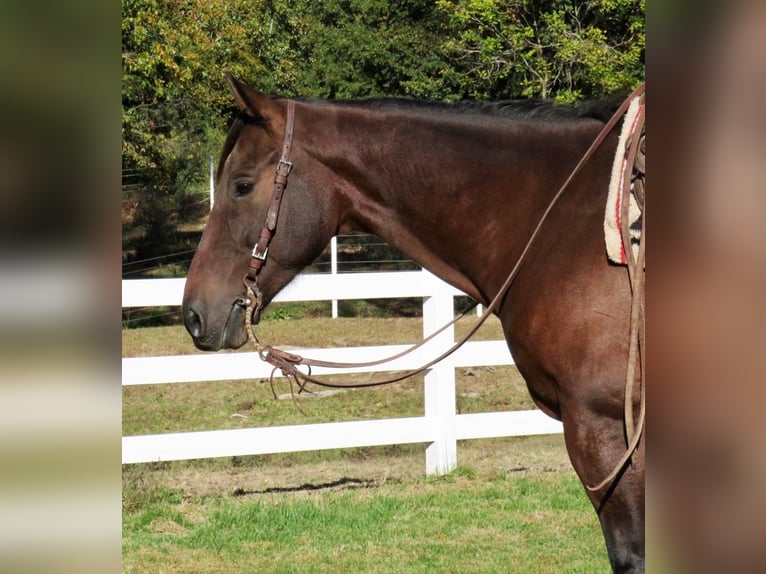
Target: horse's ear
point(253, 103)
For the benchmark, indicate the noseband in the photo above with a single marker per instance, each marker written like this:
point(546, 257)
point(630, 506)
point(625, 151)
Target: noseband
point(261, 249)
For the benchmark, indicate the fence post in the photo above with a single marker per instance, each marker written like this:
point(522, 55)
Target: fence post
point(212, 181)
point(334, 270)
point(439, 388)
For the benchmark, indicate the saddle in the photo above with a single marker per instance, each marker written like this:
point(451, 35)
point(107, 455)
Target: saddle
point(625, 202)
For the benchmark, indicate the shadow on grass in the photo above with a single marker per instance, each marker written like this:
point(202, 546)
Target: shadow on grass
point(345, 483)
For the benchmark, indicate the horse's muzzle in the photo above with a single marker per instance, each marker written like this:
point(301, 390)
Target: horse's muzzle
point(207, 337)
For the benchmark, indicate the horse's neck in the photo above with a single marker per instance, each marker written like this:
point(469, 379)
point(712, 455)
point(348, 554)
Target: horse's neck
point(449, 194)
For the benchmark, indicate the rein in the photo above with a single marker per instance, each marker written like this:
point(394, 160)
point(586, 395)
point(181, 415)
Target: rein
point(635, 174)
point(288, 362)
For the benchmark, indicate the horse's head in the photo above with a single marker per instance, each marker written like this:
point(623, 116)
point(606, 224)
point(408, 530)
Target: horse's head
point(214, 303)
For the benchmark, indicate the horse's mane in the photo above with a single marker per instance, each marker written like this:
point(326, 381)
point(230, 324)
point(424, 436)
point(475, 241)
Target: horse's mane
point(531, 109)
point(522, 109)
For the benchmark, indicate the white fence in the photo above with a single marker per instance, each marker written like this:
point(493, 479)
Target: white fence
point(440, 427)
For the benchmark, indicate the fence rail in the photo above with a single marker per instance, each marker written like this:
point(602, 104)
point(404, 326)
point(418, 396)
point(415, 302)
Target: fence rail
point(440, 427)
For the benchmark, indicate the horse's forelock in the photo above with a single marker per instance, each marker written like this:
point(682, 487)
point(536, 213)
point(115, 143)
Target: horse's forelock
point(232, 136)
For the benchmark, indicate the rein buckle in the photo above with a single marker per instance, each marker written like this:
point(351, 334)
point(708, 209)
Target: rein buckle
point(284, 167)
point(260, 256)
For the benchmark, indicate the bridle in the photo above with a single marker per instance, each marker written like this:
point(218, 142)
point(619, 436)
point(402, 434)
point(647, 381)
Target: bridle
point(287, 362)
point(261, 249)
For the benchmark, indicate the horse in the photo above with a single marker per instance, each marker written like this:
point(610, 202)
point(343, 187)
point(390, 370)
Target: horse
point(459, 188)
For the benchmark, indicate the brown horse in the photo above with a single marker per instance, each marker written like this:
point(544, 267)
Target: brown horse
point(459, 188)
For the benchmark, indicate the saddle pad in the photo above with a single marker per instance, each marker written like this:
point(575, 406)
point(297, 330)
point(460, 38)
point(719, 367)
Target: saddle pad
point(613, 216)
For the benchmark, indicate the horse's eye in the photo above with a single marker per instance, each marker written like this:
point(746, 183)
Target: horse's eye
point(243, 188)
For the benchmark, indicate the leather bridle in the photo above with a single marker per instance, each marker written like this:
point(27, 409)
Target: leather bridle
point(261, 250)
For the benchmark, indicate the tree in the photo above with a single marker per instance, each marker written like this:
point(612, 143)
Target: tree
point(174, 100)
point(567, 49)
point(338, 49)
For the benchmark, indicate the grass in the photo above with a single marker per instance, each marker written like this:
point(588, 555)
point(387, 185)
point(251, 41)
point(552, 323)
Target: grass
point(514, 505)
point(452, 524)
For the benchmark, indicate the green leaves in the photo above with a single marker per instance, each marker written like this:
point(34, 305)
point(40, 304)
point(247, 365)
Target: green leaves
point(562, 49)
point(175, 103)
point(357, 48)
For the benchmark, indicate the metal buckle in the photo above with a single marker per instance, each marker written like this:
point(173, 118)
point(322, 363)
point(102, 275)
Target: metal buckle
point(260, 256)
point(284, 167)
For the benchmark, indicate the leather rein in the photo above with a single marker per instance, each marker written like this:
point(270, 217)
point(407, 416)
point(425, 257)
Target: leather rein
point(288, 363)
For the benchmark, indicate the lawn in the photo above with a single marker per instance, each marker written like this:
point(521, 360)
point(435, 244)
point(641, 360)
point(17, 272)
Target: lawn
point(513, 505)
point(458, 523)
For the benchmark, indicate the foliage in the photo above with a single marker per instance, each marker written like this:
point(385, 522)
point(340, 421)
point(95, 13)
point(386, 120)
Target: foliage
point(173, 55)
point(279, 314)
point(568, 49)
point(358, 48)
point(174, 101)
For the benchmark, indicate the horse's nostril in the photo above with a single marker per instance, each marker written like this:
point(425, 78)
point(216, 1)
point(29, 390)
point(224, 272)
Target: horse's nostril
point(193, 322)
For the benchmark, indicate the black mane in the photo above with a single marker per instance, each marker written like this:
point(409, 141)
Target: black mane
point(538, 109)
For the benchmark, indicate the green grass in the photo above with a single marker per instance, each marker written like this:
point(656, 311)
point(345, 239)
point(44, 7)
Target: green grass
point(454, 524)
point(514, 505)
